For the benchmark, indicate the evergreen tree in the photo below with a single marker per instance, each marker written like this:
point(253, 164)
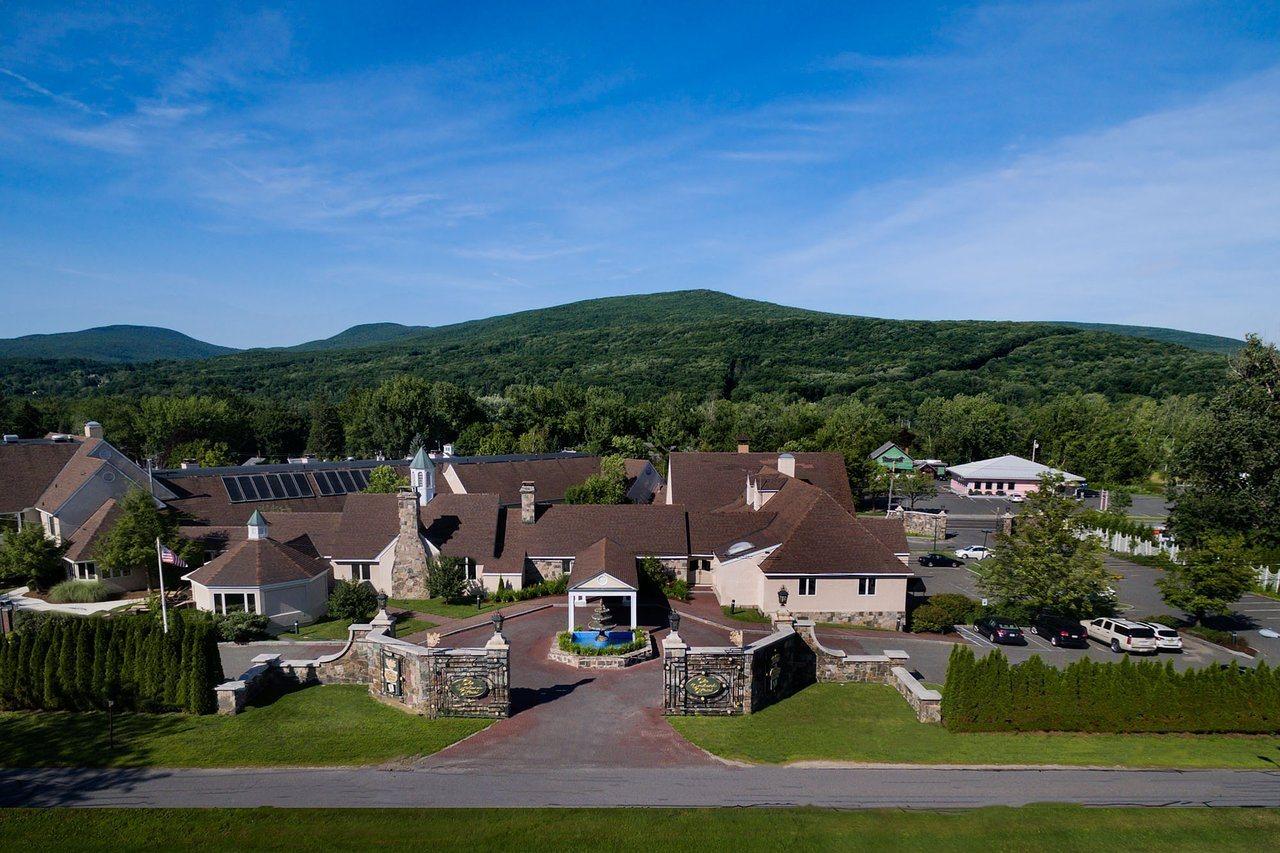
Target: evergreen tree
point(85, 654)
point(50, 695)
point(66, 672)
point(102, 641)
point(6, 672)
point(21, 670)
point(325, 438)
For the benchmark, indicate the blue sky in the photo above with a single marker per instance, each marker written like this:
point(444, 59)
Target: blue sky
point(268, 175)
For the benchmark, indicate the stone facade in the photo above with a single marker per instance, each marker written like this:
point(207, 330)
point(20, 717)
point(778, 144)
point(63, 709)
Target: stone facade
point(889, 620)
point(435, 682)
point(546, 569)
point(927, 525)
point(409, 566)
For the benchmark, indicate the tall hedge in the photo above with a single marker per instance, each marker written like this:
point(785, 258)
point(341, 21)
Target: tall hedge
point(78, 664)
point(990, 695)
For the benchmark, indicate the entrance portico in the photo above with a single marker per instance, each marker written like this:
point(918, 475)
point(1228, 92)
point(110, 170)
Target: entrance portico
point(603, 570)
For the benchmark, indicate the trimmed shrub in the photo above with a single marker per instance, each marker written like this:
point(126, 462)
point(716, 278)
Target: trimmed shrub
point(555, 586)
point(241, 627)
point(959, 609)
point(565, 641)
point(679, 590)
point(356, 601)
point(931, 619)
point(990, 695)
point(79, 592)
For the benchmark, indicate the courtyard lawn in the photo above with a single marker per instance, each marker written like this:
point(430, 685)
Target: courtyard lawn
point(332, 725)
point(871, 723)
point(745, 614)
point(1041, 827)
point(336, 629)
point(439, 607)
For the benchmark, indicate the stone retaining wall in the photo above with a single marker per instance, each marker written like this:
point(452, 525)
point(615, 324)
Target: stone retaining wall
point(925, 702)
point(734, 680)
point(435, 682)
point(922, 524)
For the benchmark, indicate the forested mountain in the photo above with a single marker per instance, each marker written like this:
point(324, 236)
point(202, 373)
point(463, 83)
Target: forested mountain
point(1192, 340)
point(704, 343)
point(111, 345)
point(359, 336)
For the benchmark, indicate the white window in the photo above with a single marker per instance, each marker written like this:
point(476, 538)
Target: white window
point(361, 572)
point(866, 586)
point(808, 586)
point(86, 571)
point(235, 602)
point(469, 566)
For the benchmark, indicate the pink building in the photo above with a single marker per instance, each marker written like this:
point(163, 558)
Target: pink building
point(1007, 475)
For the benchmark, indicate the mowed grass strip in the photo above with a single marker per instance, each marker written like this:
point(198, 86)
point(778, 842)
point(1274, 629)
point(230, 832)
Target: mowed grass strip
point(871, 723)
point(439, 607)
point(1057, 828)
point(336, 629)
point(318, 726)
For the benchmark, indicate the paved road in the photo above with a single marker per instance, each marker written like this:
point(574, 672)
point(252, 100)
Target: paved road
point(688, 787)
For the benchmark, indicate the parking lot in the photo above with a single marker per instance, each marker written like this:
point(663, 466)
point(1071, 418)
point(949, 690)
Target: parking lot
point(1135, 588)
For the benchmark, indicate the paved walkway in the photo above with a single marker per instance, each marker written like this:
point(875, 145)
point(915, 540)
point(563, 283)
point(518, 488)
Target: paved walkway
point(580, 718)
point(714, 785)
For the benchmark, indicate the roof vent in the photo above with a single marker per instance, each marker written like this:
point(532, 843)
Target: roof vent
point(60, 436)
point(10, 438)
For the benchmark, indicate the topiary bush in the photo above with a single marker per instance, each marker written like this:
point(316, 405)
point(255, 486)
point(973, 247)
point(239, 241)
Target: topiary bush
point(356, 601)
point(960, 609)
point(79, 592)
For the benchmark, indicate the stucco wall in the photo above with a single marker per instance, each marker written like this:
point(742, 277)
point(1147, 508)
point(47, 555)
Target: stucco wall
point(738, 580)
point(305, 603)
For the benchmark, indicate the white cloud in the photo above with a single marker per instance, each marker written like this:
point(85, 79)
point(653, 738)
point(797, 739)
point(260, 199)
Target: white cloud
point(1172, 218)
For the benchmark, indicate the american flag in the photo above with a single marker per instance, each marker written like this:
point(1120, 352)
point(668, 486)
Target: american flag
point(167, 556)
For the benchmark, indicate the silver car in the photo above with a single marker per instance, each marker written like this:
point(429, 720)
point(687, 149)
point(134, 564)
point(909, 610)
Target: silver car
point(1167, 639)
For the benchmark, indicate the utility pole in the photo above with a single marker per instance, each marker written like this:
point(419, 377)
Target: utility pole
point(1035, 445)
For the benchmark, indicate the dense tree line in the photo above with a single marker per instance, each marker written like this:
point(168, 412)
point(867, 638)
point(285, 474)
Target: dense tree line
point(60, 663)
point(1106, 441)
point(990, 695)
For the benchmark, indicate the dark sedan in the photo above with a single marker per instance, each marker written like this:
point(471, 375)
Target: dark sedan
point(1060, 631)
point(938, 560)
point(997, 629)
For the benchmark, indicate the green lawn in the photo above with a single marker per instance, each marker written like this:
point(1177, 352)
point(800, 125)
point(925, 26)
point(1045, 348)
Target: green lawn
point(872, 723)
point(1041, 827)
point(745, 614)
point(333, 725)
point(336, 629)
point(437, 607)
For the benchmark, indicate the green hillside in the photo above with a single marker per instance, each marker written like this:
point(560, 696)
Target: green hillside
point(702, 342)
point(1192, 340)
point(360, 336)
point(111, 344)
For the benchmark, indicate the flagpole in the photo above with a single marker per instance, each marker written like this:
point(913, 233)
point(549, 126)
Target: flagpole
point(164, 608)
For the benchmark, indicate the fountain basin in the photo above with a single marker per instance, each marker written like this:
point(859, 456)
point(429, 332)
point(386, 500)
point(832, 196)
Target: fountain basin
point(611, 638)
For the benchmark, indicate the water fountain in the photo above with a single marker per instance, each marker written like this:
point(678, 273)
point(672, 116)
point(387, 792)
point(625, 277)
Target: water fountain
point(601, 632)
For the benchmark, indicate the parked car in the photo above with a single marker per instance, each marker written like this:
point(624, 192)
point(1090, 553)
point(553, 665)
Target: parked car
point(1122, 635)
point(974, 552)
point(998, 629)
point(936, 559)
point(1017, 498)
point(1167, 639)
point(1060, 631)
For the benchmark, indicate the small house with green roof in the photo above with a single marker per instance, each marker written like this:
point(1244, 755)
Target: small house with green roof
point(893, 457)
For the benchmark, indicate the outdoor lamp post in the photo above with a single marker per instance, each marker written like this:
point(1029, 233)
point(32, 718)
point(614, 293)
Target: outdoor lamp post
point(497, 620)
point(674, 619)
point(111, 725)
point(382, 601)
point(295, 626)
point(984, 538)
point(479, 598)
point(782, 596)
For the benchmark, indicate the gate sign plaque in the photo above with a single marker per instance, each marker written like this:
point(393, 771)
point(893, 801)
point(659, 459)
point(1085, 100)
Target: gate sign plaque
point(704, 687)
point(470, 687)
point(391, 673)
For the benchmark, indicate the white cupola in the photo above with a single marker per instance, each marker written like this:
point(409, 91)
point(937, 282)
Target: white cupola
point(257, 526)
point(422, 477)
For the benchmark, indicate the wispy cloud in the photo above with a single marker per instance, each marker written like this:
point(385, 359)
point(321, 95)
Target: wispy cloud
point(1170, 215)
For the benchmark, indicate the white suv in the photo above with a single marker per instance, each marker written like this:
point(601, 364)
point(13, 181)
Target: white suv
point(1122, 635)
point(973, 552)
point(1167, 639)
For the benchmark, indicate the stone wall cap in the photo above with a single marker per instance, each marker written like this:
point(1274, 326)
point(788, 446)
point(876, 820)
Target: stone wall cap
point(866, 658)
point(267, 658)
point(896, 654)
point(917, 689)
point(229, 687)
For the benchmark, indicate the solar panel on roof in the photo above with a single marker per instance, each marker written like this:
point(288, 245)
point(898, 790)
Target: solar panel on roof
point(361, 478)
point(246, 486)
point(322, 480)
point(233, 489)
point(290, 484)
point(304, 485)
point(348, 484)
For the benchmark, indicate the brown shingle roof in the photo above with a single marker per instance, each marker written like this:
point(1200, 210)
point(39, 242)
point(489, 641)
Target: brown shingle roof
point(27, 469)
point(503, 478)
point(604, 556)
point(202, 499)
point(261, 562)
point(318, 527)
point(707, 481)
point(79, 469)
point(562, 530)
point(86, 539)
point(463, 525)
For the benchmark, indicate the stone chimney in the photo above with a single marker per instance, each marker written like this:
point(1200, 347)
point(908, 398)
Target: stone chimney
point(528, 505)
point(743, 447)
point(92, 429)
point(787, 464)
point(409, 562)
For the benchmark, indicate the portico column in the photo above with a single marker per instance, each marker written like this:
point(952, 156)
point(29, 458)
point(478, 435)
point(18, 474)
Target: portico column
point(633, 611)
point(571, 613)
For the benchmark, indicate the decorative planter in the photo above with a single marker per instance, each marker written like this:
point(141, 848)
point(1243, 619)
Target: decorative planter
point(622, 661)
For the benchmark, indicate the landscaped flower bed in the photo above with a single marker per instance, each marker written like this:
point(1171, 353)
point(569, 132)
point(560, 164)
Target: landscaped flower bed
point(564, 650)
